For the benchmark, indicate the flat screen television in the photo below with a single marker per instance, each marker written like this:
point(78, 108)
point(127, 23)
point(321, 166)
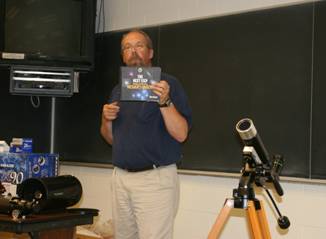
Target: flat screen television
point(58, 33)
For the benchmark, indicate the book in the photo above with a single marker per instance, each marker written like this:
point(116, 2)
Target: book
point(136, 81)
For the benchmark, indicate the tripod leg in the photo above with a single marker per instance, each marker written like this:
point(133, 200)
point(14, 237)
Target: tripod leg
point(263, 221)
point(220, 220)
point(253, 221)
point(257, 220)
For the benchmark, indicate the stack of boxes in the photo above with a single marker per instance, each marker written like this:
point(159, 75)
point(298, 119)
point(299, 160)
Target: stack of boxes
point(21, 163)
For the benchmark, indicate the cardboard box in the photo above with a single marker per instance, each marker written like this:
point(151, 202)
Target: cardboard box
point(83, 233)
point(21, 145)
point(80, 236)
point(16, 167)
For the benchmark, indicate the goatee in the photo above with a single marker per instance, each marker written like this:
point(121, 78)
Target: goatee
point(135, 60)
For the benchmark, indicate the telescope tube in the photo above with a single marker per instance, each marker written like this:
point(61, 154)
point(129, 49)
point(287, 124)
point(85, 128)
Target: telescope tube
point(250, 137)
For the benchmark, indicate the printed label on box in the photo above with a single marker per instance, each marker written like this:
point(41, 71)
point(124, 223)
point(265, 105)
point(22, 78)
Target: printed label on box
point(16, 167)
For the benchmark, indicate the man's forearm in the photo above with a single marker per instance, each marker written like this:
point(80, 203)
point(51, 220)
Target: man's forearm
point(106, 130)
point(175, 123)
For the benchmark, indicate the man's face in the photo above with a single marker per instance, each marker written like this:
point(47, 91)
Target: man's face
point(135, 51)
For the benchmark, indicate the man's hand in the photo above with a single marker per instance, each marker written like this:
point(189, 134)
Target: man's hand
point(110, 111)
point(162, 89)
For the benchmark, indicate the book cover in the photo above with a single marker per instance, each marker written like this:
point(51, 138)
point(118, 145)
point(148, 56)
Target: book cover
point(136, 81)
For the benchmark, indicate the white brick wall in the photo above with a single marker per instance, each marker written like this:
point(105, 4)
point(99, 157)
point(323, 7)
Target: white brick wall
point(202, 198)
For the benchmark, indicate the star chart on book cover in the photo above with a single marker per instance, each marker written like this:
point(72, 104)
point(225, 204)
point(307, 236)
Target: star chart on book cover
point(136, 81)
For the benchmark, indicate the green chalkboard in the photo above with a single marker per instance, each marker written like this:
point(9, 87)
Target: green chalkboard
point(266, 65)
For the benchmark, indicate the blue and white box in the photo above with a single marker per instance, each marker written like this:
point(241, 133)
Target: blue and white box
point(21, 145)
point(16, 167)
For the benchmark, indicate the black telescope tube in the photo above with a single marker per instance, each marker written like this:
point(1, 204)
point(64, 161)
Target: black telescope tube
point(250, 137)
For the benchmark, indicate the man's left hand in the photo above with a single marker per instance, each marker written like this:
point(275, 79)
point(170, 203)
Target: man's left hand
point(162, 89)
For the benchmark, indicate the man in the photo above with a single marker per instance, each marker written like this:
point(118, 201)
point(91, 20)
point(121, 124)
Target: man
point(146, 141)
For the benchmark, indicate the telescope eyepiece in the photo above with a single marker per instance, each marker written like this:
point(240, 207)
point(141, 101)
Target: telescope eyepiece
point(246, 129)
point(244, 124)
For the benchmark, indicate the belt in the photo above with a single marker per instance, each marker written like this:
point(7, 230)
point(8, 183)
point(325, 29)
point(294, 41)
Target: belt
point(134, 170)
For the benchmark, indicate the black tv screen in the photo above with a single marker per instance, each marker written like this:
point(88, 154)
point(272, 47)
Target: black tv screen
point(48, 32)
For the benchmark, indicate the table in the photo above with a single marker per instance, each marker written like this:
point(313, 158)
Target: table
point(49, 225)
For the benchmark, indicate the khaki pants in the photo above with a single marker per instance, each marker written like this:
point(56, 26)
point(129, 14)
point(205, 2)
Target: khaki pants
point(145, 203)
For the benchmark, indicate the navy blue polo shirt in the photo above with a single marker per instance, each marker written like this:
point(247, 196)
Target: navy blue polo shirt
point(140, 138)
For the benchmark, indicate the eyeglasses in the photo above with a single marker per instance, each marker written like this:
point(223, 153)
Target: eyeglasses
point(138, 47)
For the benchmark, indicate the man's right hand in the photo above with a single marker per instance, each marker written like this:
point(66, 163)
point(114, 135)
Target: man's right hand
point(110, 111)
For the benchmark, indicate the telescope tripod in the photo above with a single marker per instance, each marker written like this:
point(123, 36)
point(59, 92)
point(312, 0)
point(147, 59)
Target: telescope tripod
point(244, 198)
point(255, 214)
